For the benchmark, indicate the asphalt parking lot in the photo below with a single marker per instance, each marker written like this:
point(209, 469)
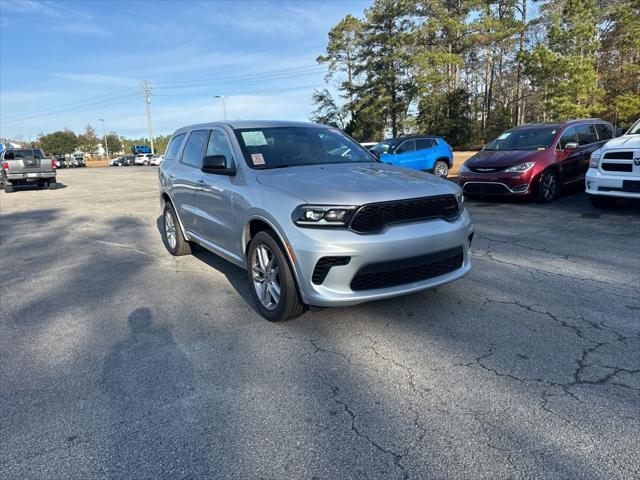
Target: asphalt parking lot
point(120, 361)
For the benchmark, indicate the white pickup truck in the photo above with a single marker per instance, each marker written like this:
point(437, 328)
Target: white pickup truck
point(614, 170)
point(25, 166)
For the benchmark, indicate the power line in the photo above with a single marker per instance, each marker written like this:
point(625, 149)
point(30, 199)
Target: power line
point(241, 76)
point(114, 95)
point(243, 92)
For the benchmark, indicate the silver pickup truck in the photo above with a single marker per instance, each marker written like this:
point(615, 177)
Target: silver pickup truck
point(26, 166)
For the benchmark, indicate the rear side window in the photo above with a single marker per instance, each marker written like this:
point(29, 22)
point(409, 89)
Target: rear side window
point(407, 146)
point(38, 154)
point(605, 132)
point(586, 134)
point(194, 148)
point(172, 149)
point(424, 143)
point(568, 136)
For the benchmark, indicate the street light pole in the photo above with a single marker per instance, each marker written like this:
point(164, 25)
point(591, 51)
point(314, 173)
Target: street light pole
point(104, 132)
point(224, 105)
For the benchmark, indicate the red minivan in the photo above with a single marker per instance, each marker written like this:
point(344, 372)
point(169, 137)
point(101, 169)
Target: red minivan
point(534, 160)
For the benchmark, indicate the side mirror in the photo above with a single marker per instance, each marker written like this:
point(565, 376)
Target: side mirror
point(571, 146)
point(217, 164)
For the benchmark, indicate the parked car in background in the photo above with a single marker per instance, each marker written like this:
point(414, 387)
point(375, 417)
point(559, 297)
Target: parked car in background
point(155, 160)
point(534, 160)
point(76, 161)
point(310, 226)
point(61, 162)
point(420, 152)
point(614, 170)
point(26, 166)
point(143, 159)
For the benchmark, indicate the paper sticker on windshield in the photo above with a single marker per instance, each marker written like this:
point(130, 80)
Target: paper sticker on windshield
point(504, 135)
point(254, 139)
point(257, 159)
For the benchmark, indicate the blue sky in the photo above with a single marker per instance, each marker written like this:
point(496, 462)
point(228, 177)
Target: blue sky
point(64, 64)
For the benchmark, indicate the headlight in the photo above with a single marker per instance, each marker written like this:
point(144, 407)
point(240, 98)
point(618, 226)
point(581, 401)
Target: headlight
point(460, 199)
point(595, 158)
point(322, 215)
point(523, 167)
point(464, 168)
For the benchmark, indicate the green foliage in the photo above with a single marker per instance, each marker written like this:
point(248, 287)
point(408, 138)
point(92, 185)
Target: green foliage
point(114, 143)
point(58, 143)
point(327, 111)
point(469, 69)
point(88, 141)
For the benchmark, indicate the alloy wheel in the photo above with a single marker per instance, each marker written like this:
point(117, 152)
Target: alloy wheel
point(549, 186)
point(441, 169)
point(266, 277)
point(170, 230)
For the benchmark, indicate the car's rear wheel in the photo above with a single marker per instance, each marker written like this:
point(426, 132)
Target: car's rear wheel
point(549, 186)
point(52, 185)
point(172, 236)
point(441, 169)
point(601, 201)
point(273, 286)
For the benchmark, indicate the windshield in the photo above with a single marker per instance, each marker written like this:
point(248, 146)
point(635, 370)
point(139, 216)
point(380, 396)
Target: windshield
point(277, 147)
point(524, 139)
point(634, 129)
point(386, 146)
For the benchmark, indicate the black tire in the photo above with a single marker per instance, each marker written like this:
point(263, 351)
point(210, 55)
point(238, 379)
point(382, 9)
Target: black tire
point(8, 188)
point(441, 169)
point(175, 244)
point(601, 201)
point(289, 304)
point(548, 186)
point(53, 185)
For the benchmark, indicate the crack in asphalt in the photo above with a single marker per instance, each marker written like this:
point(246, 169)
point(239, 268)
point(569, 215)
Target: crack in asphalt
point(397, 457)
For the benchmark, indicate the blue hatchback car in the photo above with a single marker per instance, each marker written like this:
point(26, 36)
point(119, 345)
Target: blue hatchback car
point(428, 153)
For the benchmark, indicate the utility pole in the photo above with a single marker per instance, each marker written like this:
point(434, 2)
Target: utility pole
point(104, 133)
point(224, 105)
point(147, 93)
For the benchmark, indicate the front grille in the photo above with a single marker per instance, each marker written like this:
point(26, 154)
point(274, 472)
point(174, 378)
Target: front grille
point(324, 265)
point(486, 188)
point(619, 155)
point(374, 217)
point(617, 167)
point(408, 270)
point(486, 169)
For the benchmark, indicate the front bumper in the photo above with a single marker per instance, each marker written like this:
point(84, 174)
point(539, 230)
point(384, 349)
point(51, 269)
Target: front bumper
point(396, 243)
point(608, 185)
point(31, 176)
point(501, 183)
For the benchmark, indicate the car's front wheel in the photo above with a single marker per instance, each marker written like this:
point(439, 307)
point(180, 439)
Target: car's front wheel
point(273, 286)
point(172, 236)
point(549, 186)
point(441, 169)
point(601, 201)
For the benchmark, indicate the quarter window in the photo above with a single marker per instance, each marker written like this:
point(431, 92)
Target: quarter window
point(604, 131)
point(424, 143)
point(194, 148)
point(219, 145)
point(586, 134)
point(171, 153)
point(568, 136)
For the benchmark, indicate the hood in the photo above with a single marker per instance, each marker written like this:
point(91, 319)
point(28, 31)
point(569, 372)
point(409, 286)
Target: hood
point(504, 158)
point(354, 183)
point(625, 141)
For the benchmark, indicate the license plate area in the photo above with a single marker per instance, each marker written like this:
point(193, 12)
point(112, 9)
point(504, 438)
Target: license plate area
point(631, 185)
point(32, 175)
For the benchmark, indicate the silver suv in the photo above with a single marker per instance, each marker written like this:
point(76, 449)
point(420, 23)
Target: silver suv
point(312, 216)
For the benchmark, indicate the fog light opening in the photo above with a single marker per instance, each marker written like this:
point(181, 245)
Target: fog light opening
point(521, 188)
